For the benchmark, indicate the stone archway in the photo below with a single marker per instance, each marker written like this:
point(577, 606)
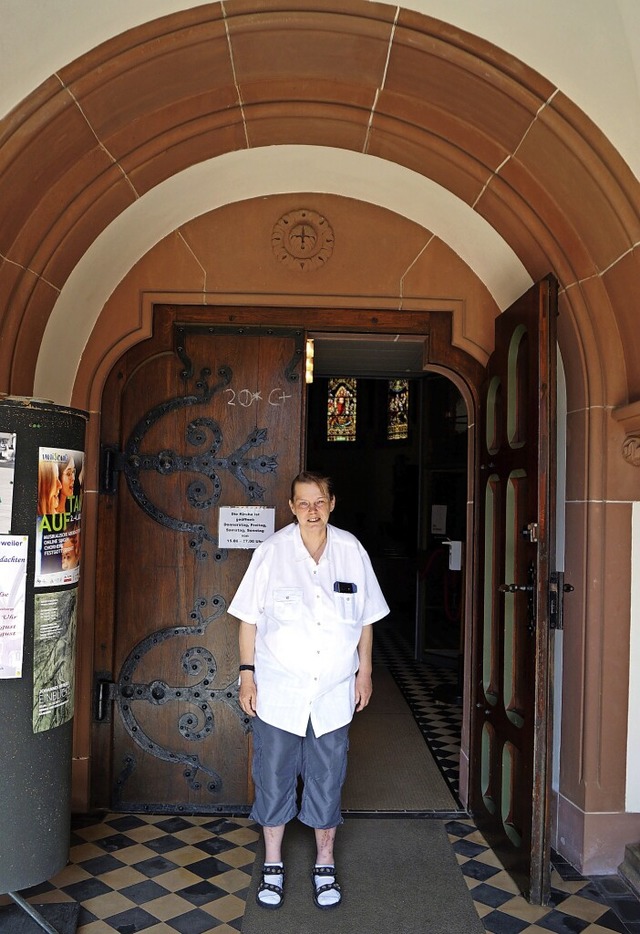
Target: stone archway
point(408, 89)
point(399, 86)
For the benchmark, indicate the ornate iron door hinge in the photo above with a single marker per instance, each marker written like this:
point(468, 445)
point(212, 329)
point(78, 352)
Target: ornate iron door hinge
point(191, 704)
point(557, 590)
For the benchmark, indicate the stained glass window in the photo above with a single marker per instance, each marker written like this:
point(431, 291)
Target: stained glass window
point(341, 409)
point(398, 410)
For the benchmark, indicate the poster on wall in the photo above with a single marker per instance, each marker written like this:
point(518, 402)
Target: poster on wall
point(7, 471)
point(13, 583)
point(54, 650)
point(60, 489)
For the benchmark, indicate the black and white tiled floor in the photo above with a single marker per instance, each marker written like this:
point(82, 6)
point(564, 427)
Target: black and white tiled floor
point(156, 874)
point(191, 874)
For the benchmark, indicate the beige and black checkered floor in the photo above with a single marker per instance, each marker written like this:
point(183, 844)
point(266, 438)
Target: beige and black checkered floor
point(161, 874)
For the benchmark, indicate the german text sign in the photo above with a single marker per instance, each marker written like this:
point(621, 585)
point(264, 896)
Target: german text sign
point(245, 526)
point(13, 581)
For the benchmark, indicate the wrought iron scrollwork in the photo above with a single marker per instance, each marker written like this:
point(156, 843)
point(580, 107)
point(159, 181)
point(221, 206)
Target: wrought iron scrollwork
point(194, 725)
point(206, 433)
point(204, 492)
point(184, 329)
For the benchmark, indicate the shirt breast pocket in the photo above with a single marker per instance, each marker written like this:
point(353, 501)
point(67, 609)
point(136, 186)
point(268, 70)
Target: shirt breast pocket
point(345, 604)
point(287, 602)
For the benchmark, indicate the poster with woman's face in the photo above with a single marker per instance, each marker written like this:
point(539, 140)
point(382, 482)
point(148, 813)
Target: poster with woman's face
point(60, 488)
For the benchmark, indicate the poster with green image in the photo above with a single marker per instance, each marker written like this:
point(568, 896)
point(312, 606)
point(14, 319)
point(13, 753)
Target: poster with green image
point(54, 651)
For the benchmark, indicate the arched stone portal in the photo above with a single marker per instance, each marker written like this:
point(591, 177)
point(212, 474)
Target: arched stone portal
point(405, 88)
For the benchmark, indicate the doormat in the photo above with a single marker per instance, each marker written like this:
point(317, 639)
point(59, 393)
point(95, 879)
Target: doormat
point(390, 767)
point(62, 917)
point(397, 874)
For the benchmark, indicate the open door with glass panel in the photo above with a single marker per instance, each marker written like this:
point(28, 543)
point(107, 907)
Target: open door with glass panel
point(511, 725)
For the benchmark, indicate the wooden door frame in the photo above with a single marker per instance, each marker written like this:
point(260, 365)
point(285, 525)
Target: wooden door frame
point(441, 356)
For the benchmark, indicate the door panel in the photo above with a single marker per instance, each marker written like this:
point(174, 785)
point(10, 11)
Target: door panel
point(209, 417)
point(511, 729)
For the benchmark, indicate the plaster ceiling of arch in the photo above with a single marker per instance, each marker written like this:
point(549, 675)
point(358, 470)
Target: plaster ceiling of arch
point(248, 174)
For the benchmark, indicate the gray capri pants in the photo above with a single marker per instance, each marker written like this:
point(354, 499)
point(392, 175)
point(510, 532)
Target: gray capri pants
point(279, 758)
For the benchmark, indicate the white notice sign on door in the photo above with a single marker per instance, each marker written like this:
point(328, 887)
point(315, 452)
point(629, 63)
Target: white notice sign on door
point(245, 526)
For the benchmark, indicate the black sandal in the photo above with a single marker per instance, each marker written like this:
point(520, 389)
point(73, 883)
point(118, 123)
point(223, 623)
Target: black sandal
point(265, 886)
point(327, 887)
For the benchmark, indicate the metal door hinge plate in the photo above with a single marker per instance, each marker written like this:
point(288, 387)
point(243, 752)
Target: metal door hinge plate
point(557, 590)
point(104, 695)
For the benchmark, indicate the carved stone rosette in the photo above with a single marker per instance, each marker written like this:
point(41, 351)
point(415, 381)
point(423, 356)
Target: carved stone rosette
point(631, 450)
point(628, 416)
point(302, 240)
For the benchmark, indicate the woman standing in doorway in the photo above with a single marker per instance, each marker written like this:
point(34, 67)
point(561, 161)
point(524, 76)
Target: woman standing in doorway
point(306, 605)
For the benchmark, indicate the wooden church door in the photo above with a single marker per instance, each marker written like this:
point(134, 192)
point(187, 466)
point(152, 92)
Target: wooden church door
point(199, 417)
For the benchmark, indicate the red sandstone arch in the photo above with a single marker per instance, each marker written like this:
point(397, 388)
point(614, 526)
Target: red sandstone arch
point(169, 94)
point(202, 82)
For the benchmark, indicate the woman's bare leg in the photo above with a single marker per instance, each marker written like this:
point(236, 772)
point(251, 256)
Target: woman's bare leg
point(273, 843)
point(324, 846)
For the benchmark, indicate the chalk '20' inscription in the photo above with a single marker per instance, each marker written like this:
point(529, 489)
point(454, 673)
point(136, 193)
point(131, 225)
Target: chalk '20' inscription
point(247, 398)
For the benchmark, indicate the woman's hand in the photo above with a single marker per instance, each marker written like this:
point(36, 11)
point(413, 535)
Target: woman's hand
point(364, 684)
point(364, 690)
point(248, 693)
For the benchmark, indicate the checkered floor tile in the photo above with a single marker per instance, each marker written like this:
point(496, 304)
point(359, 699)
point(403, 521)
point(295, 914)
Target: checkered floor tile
point(156, 873)
point(191, 874)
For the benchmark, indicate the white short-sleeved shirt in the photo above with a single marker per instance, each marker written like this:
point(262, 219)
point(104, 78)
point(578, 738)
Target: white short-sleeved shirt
point(307, 632)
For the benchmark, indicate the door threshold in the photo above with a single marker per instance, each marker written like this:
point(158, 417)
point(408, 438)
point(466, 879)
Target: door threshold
point(426, 814)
